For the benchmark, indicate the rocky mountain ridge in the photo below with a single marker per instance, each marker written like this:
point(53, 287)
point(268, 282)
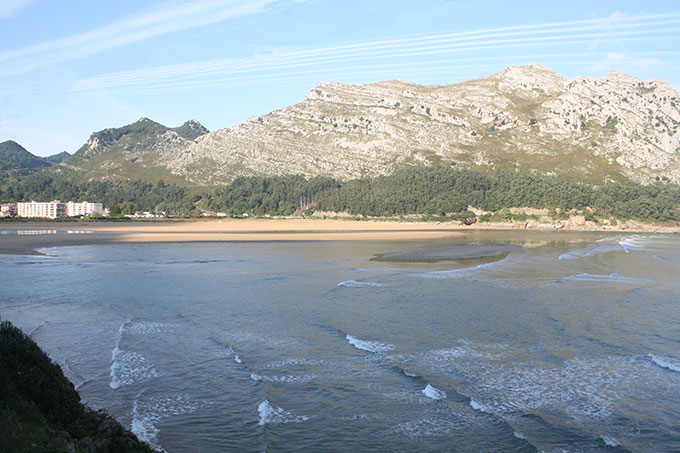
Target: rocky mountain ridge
point(525, 117)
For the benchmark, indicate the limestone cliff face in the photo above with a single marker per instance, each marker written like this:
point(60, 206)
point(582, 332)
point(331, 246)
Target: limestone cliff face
point(525, 117)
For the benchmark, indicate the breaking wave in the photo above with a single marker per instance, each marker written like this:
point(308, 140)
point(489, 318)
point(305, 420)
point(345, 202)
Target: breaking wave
point(275, 415)
point(145, 327)
point(282, 378)
point(369, 346)
point(480, 407)
point(146, 413)
point(666, 362)
point(610, 441)
point(358, 284)
point(434, 393)
point(128, 367)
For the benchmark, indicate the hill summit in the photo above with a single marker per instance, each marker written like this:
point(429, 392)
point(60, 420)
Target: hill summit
point(15, 160)
point(523, 118)
point(144, 149)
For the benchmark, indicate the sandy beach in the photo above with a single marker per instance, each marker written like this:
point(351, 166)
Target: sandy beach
point(25, 237)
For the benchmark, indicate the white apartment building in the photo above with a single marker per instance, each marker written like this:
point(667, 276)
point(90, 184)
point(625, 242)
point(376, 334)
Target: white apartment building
point(42, 209)
point(83, 209)
point(56, 209)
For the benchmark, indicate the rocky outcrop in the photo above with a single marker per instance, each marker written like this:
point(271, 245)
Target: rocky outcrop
point(524, 117)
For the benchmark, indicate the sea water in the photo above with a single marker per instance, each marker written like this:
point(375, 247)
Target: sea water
point(571, 343)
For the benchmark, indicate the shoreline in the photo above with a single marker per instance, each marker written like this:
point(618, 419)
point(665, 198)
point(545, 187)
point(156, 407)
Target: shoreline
point(25, 237)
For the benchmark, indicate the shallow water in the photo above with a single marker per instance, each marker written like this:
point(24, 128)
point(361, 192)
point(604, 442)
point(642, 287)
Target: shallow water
point(571, 344)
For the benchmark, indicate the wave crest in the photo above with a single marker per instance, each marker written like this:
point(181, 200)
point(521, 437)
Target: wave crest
point(358, 284)
point(433, 392)
point(666, 362)
point(272, 414)
point(370, 346)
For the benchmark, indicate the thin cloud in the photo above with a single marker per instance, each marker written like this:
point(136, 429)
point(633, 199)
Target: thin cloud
point(646, 64)
point(11, 7)
point(615, 60)
point(346, 56)
point(611, 60)
point(161, 20)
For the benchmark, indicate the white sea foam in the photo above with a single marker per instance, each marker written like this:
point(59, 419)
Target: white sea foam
point(610, 441)
point(666, 362)
point(358, 284)
point(294, 361)
point(586, 277)
point(590, 250)
point(444, 421)
point(274, 415)
point(122, 328)
point(229, 353)
point(610, 244)
point(370, 346)
point(519, 435)
point(446, 356)
point(282, 378)
point(503, 380)
point(410, 374)
point(128, 367)
point(143, 426)
point(464, 270)
point(146, 413)
point(433, 392)
point(480, 407)
point(633, 243)
point(145, 327)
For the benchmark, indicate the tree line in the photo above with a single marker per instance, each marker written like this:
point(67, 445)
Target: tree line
point(428, 191)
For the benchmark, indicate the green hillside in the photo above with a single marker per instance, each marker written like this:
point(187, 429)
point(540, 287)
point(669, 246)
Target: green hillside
point(40, 411)
point(16, 160)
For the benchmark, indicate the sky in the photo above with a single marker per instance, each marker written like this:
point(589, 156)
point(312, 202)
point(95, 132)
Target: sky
point(69, 68)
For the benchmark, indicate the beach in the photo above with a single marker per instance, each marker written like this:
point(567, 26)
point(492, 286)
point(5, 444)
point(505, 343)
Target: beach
point(26, 237)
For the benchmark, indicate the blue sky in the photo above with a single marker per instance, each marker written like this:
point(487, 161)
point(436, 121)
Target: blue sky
point(69, 68)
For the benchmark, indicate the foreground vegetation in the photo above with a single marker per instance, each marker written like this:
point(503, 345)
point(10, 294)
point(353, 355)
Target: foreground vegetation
point(41, 411)
point(427, 191)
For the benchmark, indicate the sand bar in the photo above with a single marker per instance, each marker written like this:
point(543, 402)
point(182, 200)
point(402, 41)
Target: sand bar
point(451, 252)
